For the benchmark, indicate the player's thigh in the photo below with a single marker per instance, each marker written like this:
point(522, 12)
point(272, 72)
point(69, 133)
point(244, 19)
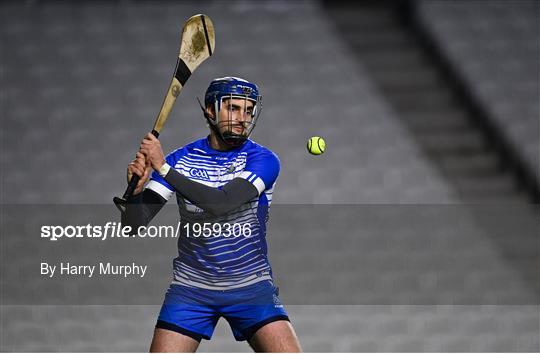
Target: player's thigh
point(277, 336)
point(166, 341)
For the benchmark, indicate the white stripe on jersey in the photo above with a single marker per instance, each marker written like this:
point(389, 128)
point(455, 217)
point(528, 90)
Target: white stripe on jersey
point(198, 155)
point(194, 164)
point(259, 184)
point(234, 259)
point(233, 251)
point(249, 281)
point(213, 278)
point(195, 158)
point(237, 267)
point(245, 175)
point(199, 150)
point(160, 189)
point(258, 268)
point(231, 244)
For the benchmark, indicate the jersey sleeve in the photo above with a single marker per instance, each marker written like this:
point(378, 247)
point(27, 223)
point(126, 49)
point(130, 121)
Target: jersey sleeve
point(158, 183)
point(262, 170)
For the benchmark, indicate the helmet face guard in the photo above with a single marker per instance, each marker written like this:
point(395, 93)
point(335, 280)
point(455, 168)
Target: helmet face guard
point(233, 95)
point(236, 131)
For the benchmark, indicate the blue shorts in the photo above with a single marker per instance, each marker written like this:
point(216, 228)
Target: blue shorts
point(195, 312)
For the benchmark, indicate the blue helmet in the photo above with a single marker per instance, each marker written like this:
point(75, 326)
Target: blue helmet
point(232, 88)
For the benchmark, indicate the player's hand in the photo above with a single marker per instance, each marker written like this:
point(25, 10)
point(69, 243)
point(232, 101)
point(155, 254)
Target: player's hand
point(141, 167)
point(151, 148)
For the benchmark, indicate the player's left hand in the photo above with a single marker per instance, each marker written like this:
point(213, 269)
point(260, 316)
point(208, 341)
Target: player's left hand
point(151, 148)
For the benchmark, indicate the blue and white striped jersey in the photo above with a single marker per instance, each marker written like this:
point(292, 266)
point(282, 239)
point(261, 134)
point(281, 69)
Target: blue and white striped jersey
point(231, 252)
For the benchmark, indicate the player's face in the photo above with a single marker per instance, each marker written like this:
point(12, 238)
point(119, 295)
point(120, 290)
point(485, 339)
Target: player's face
point(235, 115)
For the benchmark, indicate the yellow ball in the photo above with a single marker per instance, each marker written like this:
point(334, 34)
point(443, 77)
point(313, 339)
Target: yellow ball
point(316, 145)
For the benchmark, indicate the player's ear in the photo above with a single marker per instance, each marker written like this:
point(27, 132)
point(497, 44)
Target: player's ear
point(209, 112)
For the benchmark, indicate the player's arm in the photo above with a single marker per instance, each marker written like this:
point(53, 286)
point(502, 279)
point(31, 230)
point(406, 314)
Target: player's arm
point(212, 200)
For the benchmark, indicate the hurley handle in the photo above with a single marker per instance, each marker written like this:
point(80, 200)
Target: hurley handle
point(121, 202)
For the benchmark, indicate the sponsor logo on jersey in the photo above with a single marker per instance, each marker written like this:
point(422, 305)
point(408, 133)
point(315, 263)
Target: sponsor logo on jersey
point(200, 173)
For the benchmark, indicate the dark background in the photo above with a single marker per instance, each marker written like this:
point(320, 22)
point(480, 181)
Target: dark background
point(417, 230)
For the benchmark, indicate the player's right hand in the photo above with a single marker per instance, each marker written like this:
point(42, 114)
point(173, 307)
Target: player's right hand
point(141, 168)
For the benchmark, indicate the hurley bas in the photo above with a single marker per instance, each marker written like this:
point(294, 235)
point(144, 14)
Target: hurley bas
point(107, 269)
